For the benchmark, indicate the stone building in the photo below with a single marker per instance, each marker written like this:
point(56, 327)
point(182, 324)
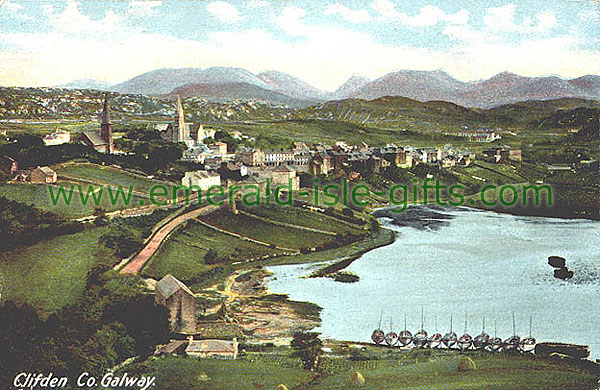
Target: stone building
point(180, 301)
point(44, 175)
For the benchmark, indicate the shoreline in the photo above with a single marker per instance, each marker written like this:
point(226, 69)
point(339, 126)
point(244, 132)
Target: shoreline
point(270, 317)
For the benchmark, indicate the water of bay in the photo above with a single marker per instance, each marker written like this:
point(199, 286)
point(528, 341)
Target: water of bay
point(471, 264)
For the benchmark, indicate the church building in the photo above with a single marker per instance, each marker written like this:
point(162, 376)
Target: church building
point(101, 141)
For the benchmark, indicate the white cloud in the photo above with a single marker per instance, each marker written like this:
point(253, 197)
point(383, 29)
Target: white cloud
point(503, 19)
point(500, 17)
point(290, 20)
point(10, 6)
point(224, 11)
point(144, 7)
point(428, 16)
point(590, 14)
point(355, 16)
point(71, 20)
point(323, 55)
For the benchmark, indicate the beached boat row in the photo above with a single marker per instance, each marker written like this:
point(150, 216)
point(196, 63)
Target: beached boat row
point(450, 340)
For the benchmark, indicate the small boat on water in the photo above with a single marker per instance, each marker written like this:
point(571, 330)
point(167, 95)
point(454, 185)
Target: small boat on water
point(378, 335)
point(527, 345)
point(405, 337)
point(482, 339)
point(466, 340)
point(391, 338)
point(450, 338)
point(435, 340)
point(420, 338)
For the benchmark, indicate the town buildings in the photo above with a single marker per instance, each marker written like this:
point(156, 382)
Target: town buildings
point(181, 131)
point(57, 138)
point(283, 175)
point(202, 180)
point(252, 158)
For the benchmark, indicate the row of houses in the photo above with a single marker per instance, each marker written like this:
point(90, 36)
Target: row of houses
point(476, 136)
point(230, 173)
point(324, 159)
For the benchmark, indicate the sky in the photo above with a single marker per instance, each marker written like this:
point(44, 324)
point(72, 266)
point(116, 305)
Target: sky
point(45, 43)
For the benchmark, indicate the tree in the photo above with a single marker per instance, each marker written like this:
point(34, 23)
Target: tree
point(211, 257)
point(308, 347)
point(162, 154)
point(19, 328)
point(146, 323)
point(122, 240)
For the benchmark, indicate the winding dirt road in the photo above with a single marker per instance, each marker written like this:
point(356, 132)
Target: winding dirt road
point(135, 265)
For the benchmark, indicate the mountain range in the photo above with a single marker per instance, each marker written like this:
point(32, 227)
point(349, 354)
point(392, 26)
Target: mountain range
point(225, 83)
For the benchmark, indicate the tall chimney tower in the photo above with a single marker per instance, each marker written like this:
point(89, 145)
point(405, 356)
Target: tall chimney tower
point(180, 121)
point(106, 126)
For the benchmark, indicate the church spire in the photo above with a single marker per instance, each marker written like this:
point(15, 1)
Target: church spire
point(180, 120)
point(106, 127)
point(105, 112)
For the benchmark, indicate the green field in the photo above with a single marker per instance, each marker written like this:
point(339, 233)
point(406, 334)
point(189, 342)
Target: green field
point(403, 371)
point(109, 176)
point(183, 253)
point(39, 196)
point(195, 374)
point(303, 217)
point(52, 273)
point(264, 231)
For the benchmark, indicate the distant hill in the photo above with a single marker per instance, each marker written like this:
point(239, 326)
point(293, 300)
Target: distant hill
point(85, 105)
point(292, 86)
point(349, 88)
point(86, 84)
point(418, 85)
point(411, 114)
point(237, 91)
point(504, 88)
point(163, 81)
point(510, 88)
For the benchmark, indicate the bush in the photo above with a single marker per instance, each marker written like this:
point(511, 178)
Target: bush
point(122, 240)
point(466, 364)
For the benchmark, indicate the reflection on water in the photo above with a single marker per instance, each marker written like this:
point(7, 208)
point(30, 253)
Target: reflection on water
point(476, 264)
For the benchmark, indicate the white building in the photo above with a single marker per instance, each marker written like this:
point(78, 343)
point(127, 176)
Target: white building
point(201, 179)
point(57, 138)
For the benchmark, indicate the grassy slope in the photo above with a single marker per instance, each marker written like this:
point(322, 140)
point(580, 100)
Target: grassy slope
point(38, 195)
point(263, 231)
point(108, 175)
point(493, 372)
point(52, 273)
point(302, 217)
point(183, 253)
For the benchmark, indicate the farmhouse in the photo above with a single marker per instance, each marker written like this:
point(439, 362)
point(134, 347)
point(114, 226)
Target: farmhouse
point(223, 349)
point(43, 175)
